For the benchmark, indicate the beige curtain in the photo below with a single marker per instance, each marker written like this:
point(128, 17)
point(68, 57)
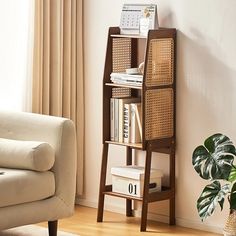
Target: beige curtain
point(58, 87)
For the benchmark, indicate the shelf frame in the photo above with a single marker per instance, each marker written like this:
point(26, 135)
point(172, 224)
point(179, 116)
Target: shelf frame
point(131, 145)
point(124, 86)
point(164, 194)
point(164, 145)
point(167, 193)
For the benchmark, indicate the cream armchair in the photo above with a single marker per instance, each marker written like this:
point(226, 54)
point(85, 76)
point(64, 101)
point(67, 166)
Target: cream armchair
point(29, 195)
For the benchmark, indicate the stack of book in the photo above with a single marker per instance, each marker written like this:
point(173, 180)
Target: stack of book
point(126, 123)
point(123, 78)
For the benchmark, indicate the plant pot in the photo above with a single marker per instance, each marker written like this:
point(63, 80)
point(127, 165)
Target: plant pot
point(230, 226)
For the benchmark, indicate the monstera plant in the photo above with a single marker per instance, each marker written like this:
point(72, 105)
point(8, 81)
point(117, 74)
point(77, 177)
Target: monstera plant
point(214, 161)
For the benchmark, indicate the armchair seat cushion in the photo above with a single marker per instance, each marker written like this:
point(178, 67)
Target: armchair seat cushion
point(22, 186)
point(31, 155)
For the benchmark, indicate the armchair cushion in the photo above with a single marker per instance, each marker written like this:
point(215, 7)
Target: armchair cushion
point(22, 186)
point(31, 155)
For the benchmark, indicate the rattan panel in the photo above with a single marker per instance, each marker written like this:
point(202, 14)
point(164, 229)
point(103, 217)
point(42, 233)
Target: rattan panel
point(160, 64)
point(121, 54)
point(121, 92)
point(159, 110)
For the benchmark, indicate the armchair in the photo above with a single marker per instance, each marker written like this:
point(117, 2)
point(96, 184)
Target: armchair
point(48, 195)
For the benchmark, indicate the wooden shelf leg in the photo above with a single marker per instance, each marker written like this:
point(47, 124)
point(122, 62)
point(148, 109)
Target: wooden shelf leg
point(172, 186)
point(102, 183)
point(129, 162)
point(146, 190)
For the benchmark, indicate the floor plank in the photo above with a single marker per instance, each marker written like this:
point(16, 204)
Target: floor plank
point(84, 223)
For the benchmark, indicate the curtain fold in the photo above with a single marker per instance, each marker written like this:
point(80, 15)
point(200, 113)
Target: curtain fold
point(58, 86)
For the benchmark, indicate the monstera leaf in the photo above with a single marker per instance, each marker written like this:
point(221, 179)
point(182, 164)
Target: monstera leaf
point(211, 195)
point(233, 197)
point(232, 175)
point(214, 159)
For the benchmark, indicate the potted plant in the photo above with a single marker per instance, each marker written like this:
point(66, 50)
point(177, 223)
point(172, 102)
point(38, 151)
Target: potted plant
point(214, 161)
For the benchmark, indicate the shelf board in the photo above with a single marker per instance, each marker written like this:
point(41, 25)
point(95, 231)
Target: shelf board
point(133, 145)
point(134, 36)
point(124, 86)
point(165, 194)
point(123, 196)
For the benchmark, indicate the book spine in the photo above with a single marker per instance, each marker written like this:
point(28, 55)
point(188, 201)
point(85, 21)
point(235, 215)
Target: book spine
point(116, 120)
point(138, 115)
point(134, 130)
point(112, 119)
point(127, 123)
point(121, 120)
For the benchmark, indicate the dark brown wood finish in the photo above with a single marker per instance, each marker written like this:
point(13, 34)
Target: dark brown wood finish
point(174, 82)
point(154, 34)
point(172, 186)
point(172, 155)
point(146, 189)
point(102, 183)
point(164, 145)
point(165, 194)
point(107, 91)
point(128, 162)
point(120, 195)
point(52, 228)
point(134, 48)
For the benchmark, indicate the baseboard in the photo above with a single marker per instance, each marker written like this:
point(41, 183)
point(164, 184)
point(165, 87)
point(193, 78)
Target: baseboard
point(108, 207)
point(183, 222)
point(200, 226)
point(156, 217)
point(153, 216)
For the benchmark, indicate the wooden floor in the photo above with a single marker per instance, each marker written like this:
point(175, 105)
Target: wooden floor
point(84, 223)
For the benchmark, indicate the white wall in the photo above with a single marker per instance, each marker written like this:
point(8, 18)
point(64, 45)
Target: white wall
point(206, 98)
point(15, 21)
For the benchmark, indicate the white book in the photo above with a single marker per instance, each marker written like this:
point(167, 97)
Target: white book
point(134, 129)
point(121, 102)
point(127, 77)
point(138, 115)
point(112, 111)
point(127, 123)
point(116, 119)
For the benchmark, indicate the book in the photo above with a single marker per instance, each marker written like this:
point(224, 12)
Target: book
point(127, 123)
point(112, 111)
point(123, 78)
point(116, 120)
point(135, 136)
point(138, 115)
point(121, 102)
point(117, 117)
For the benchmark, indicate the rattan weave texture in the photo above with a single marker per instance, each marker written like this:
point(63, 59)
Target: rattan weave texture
point(159, 110)
point(121, 92)
point(160, 64)
point(121, 54)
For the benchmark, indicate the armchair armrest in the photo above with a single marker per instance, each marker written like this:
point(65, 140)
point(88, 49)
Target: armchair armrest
point(59, 133)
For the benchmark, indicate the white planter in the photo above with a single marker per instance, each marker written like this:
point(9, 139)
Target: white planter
point(230, 226)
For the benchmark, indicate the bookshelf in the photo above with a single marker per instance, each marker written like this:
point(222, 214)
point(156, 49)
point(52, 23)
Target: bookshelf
point(157, 94)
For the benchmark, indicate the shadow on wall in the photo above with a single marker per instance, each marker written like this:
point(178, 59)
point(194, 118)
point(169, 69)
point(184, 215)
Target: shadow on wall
point(167, 19)
point(205, 86)
point(205, 105)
